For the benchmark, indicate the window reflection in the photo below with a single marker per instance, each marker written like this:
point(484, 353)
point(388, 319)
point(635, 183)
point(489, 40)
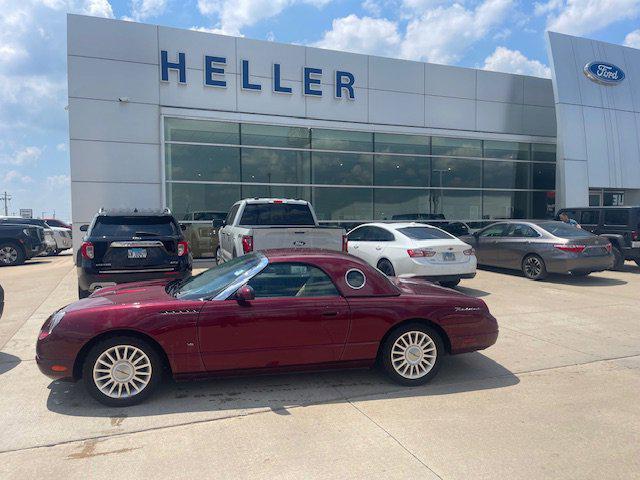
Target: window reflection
point(510, 150)
point(505, 174)
point(456, 147)
point(396, 204)
point(342, 168)
point(274, 136)
point(343, 203)
point(275, 166)
point(456, 172)
point(201, 131)
point(394, 143)
point(457, 204)
point(543, 176)
point(500, 205)
point(202, 162)
point(323, 139)
point(402, 170)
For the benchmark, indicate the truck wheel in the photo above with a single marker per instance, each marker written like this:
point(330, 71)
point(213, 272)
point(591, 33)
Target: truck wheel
point(11, 254)
point(618, 262)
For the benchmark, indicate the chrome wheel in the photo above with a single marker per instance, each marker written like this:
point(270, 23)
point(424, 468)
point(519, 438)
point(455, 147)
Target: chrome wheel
point(122, 371)
point(532, 267)
point(413, 354)
point(8, 255)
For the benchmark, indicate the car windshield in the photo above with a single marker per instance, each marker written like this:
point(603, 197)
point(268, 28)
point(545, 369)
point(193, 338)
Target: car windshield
point(424, 233)
point(208, 216)
point(211, 282)
point(277, 214)
point(134, 226)
point(564, 230)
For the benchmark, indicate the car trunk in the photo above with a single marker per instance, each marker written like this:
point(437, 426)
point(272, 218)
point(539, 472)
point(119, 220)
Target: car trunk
point(131, 255)
point(594, 246)
point(297, 237)
point(448, 251)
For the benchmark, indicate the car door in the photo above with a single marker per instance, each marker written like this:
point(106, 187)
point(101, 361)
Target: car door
point(373, 243)
point(488, 243)
point(589, 220)
point(356, 241)
point(516, 244)
point(297, 318)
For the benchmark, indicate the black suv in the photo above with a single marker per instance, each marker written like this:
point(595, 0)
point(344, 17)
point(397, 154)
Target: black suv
point(130, 246)
point(621, 225)
point(19, 243)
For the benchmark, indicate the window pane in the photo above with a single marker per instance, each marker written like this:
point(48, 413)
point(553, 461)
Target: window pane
point(590, 217)
point(543, 204)
point(394, 204)
point(498, 205)
point(202, 162)
point(260, 214)
point(201, 131)
point(616, 217)
point(342, 168)
point(186, 198)
point(456, 172)
point(542, 152)
point(505, 174)
point(341, 140)
point(512, 150)
point(343, 203)
point(457, 204)
point(402, 171)
point(425, 233)
point(275, 166)
point(274, 136)
point(393, 143)
point(498, 230)
point(456, 147)
point(543, 176)
point(276, 191)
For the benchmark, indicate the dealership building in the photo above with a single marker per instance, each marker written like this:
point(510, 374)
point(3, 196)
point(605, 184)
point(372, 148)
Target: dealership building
point(195, 121)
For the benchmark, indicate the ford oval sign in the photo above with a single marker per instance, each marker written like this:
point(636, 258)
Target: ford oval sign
point(604, 73)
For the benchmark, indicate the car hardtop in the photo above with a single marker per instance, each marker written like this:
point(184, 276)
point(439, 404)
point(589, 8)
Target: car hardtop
point(337, 265)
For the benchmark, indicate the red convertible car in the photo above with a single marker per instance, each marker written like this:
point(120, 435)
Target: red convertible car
point(266, 311)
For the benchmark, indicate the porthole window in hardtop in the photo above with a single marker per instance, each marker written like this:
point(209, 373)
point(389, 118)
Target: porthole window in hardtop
point(355, 279)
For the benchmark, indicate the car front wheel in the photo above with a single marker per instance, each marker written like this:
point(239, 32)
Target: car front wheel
point(11, 254)
point(121, 371)
point(411, 355)
point(534, 268)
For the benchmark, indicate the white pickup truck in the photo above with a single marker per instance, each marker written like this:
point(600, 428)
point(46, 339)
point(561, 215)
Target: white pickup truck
point(263, 223)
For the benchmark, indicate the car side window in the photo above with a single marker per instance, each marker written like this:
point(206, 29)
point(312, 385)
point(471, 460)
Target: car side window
point(357, 235)
point(381, 235)
point(520, 230)
point(616, 217)
point(590, 217)
point(232, 214)
point(494, 231)
point(292, 280)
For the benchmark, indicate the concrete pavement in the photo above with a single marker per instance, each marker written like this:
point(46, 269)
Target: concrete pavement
point(556, 397)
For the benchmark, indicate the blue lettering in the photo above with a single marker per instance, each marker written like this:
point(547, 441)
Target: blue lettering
point(210, 70)
point(308, 82)
point(245, 78)
point(342, 84)
point(166, 65)
point(277, 87)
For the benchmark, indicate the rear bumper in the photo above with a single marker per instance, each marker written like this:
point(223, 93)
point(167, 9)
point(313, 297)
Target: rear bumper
point(632, 253)
point(580, 264)
point(441, 278)
point(93, 281)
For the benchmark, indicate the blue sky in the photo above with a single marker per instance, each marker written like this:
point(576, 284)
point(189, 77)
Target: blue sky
point(501, 35)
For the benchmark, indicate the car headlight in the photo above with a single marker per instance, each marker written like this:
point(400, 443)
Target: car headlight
point(55, 320)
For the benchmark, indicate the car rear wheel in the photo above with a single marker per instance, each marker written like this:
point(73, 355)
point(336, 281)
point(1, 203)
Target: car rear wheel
point(618, 259)
point(533, 267)
point(386, 267)
point(450, 284)
point(11, 254)
point(121, 371)
point(411, 355)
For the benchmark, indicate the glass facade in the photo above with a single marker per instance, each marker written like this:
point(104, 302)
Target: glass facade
point(353, 176)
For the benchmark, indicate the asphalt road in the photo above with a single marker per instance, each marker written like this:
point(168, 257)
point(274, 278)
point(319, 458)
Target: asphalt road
point(556, 397)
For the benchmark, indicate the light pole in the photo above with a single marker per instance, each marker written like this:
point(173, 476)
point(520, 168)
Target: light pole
point(6, 198)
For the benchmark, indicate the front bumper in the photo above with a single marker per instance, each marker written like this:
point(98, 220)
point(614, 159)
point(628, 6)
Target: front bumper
point(53, 369)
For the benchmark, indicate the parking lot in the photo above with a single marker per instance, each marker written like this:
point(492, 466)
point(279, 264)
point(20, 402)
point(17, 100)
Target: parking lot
point(556, 397)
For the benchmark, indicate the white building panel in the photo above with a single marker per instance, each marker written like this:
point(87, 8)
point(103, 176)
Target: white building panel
point(330, 61)
point(539, 120)
point(262, 55)
point(596, 149)
point(195, 94)
point(396, 108)
point(451, 113)
point(195, 45)
point(449, 81)
point(274, 103)
point(331, 108)
point(396, 75)
point(564, 72)
point(499, 117)
point(500, 87)
point(629, 167)
point(538, 91)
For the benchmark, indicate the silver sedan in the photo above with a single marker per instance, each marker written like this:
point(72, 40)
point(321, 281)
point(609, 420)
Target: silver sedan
point(541, 247)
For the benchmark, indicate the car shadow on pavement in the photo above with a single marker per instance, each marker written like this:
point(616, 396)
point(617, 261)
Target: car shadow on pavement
point(593, 280)
point(8, 362)
point(231, 396)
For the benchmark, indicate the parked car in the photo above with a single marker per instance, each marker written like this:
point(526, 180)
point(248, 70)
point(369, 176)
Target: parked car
point(49, 236)
point(202, 237)
point(620, 225)
point(541, 247)
point(129, 245)
point(263, 223)
point(54, 222)
point(19, 242)
point(413, 250)
point(266, 311)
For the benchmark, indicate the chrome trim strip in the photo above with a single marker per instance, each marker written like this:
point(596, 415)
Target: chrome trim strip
point(138, 271)
point(137, 243)
point(242, 279)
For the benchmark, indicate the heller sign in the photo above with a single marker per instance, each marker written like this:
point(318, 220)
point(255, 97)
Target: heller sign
point(604, 73)
point(214, 76)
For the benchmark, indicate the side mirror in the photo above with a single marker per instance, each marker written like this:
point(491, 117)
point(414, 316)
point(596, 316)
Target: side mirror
point(245, 294)
point(84, 228)
point(217, 223)
point(183, 227)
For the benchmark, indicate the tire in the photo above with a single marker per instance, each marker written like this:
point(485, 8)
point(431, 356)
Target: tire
point(139, 363)
point(534, 268)
point(56, 253)
point(219, 260)
point(450, 284)
point(581, 274)
point(83, 293)
point(11, 254)
point(637, 262)
point(400, 343)
point(618, 262)
point(386, 267)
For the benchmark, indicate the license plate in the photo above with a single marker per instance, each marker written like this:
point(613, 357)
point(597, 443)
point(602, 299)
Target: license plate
point(635, 244)
point(449, 257)
point(137, 253)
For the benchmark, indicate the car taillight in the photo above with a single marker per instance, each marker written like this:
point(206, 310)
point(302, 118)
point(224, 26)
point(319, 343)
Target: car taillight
point(609, 247)
point(183, 248)
point(469, 251)
point(634, 235)
point(87, 250)
point(247, 243)
point(345, 243)
point(420, 252)
point(571, 248)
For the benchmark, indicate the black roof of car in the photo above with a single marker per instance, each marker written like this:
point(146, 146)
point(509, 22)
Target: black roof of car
point(132, 212)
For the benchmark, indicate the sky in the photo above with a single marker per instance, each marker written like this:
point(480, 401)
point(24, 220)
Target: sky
point(500, 35)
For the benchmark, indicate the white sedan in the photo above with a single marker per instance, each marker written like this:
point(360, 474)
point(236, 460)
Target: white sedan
point(413, 250)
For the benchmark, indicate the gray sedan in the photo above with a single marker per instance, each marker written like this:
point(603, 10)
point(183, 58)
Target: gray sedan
point(541, 247)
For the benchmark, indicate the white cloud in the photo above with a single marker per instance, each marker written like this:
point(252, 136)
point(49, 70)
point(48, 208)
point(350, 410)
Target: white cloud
point(24, 156)
point(444, 34)
point(513, 61)
point(144, 9)
point(372, 7)
point(55, 182)
point(580, 17)
point(96, 8)
point(12, 175)
point(233, 15)
point(363, 35)
point(633, 39)
point(61, 147)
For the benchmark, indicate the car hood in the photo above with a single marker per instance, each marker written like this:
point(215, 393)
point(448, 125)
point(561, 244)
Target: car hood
point(129, 293)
